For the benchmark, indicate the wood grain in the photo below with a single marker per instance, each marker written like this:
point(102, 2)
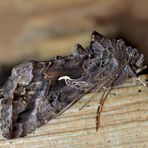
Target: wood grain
point(124, 123)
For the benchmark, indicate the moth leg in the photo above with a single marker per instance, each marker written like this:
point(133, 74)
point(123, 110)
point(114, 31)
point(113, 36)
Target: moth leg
point(100, 107)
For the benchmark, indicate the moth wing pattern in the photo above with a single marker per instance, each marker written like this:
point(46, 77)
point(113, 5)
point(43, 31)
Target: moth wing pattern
point(38, 91)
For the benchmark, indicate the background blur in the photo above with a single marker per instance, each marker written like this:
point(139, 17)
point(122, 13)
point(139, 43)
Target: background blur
point(40, 29)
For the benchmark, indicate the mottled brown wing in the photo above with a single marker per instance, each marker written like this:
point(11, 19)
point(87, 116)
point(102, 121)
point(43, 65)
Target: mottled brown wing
point(37, 92)
point(33, 95)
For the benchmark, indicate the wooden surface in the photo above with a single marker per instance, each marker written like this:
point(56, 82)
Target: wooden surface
point(124, 123)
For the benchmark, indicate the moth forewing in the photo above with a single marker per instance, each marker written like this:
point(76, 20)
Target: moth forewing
point(39, 91)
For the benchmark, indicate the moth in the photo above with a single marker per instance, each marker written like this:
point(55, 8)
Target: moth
point(38, 91)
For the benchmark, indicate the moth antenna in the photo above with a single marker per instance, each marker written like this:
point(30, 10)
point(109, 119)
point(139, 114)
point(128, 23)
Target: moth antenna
point(90, 99)
point(98, 117)
point(102, 86)
point(93, 96)
point(100, 107)
point(103, 98)
point(95, 36)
